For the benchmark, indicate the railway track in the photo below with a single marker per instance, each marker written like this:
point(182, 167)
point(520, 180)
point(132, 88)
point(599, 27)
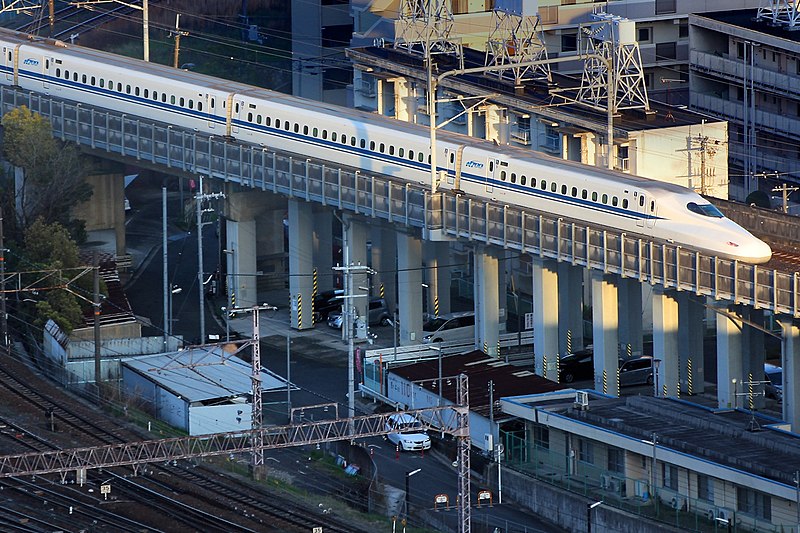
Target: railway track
point(231, 506)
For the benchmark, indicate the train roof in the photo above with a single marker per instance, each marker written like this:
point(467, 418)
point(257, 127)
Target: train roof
point(227, 86)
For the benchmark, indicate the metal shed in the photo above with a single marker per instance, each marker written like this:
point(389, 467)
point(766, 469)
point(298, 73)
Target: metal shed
point(199, 390)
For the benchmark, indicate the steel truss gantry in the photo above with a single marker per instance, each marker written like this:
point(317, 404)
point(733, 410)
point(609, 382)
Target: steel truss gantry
point(517, 38)
point(424, 28)
point(780, 13)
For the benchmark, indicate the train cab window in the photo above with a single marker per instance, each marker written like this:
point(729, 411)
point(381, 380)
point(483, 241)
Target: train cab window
point(706, 210)
point(503, 175)
point(614, 201)
point(574, 192)
point(605, 199)
point(624, 203)
point(513, 177)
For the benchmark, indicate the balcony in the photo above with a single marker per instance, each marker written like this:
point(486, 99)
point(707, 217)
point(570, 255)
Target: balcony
point(733, 70)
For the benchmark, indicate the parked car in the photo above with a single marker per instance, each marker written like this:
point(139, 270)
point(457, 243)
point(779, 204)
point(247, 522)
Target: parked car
point(636, 371)
point(774, 377)
point(450, 327)
point(377, 313)
point(325, 302)
point(579, 365)
point(407, 433)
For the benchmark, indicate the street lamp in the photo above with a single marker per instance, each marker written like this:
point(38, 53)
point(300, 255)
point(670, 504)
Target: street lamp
point(408, 477)
point(589, 515)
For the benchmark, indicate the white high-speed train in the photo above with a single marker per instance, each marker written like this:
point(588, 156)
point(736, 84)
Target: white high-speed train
point(375, 144)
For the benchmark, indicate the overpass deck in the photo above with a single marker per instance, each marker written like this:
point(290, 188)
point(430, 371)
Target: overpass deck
point(438, 216)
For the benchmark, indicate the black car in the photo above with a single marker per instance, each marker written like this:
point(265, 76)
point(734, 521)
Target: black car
point(579, 365)
point(325, 302)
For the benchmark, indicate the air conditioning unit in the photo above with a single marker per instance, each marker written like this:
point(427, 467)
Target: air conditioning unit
point(678, 502)
point(581, 400)
point(615, 485)
point(606, 481)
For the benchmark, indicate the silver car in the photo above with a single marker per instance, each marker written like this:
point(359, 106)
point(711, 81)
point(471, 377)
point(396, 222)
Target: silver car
point(636, 371)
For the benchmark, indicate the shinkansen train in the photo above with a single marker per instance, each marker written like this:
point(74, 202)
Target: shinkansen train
point(376, 144)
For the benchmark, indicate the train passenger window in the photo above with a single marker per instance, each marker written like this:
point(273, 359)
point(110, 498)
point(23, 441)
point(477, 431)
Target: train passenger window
point(553, 187)
point(343, 139)
point(372, 146)
point(333, 136)
point(363, 143)
point(278, 123)
point(584, 193)
point(259, 119)
point(544, 185)
point(594, 196)
point(564, 190)
point(513, 177)
point(94, 81)
point(200, 106)
point(614, 201)
point(401, 152)
point(287, 126)
point(653, 208)
point(533, 183)
point(503, 175)
point(164, 97)
point(58, 72)
point(315, 132)
point(605, 198)
point(102, 83)
point(147, 93)
point(172, 99)
point(83, 79)
point(305, 128)
point(191, 104)
point(182, 102)
point(411, 155)
point(249, 117)
point(136, 91)
point(641, 200)
point(324, 134)
point(383, 147)
point(127, 89)
point(624, 203)
point(296, 127)
point(574, 192)
point(75, 77)
point(391, 149)
point(523, 180)
point(352, 141)
point(421, 157)
point(66, 74)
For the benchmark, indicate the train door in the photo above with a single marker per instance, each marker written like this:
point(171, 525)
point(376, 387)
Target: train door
point(8, 62)
point(491, 170)
point(641, 207)
point(450, 159)
point(653, 208)
point(48, 64)
point(211, 107)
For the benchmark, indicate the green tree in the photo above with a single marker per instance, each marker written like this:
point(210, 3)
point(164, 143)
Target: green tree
point(49, 246)
point(53, 182)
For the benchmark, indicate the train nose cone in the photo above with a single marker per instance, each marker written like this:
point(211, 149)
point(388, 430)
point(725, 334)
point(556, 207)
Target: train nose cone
point(755, 251)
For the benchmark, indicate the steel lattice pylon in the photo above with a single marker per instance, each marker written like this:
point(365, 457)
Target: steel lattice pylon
point(780, 12)
point(462, 434)
point(628, 89)
point(516, 39)
point(424, 27)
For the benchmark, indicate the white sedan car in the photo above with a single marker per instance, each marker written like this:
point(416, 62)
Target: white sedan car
point(407, 433)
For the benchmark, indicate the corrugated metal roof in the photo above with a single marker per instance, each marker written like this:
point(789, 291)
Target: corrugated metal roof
point(507, 379)
point(200, 374)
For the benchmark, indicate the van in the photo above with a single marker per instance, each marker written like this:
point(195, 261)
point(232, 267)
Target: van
point(450, 327)
point(774, 378)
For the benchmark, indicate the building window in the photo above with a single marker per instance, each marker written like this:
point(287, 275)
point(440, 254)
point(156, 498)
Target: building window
point(705, 488)
point(541, 436)
point(585, 451)
point(683, 30)
point(644, 35)
point(665, 7)
point(616, 460)
point(569, 42)
point(754, 503)
point(669, 475)
point(666, 51)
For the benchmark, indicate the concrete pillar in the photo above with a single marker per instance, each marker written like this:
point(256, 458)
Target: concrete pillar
point(545, 317)
point(405, 102)
point(495, 124)
point(691, 331)
point(570, 309)
point(605, 326)
point(630, 308)
point(790, 361)
point(665, 342)
point(301, 264)
point(384, 263)
point(753, 362)
point(437, 277)
point(241, 261)
point(729, 360)
point(323, 248)
point(487, 319)
point(409, 288)
point(357, 232)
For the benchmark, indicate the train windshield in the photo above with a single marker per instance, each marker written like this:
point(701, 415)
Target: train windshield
point(707, 210)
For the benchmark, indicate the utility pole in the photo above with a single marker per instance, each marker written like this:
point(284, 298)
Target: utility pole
point(166, 283)
point(783, 189)
point(3, 314)
point(178, 35)
point(199, 198)
point(51, 15)
point(96, 309)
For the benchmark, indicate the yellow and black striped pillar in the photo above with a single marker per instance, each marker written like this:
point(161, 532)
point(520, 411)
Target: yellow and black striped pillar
point(689, 377)
point(383, 291)
point(485, 348)
point(313, 293)
point(299, 310)
point(569, 341)
point(605, 382)
point(750, 390)
point(544, 365)
point(436, 309)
